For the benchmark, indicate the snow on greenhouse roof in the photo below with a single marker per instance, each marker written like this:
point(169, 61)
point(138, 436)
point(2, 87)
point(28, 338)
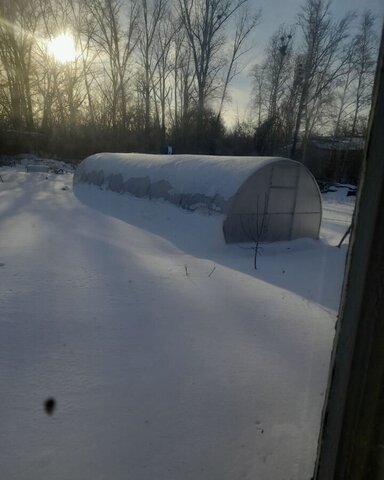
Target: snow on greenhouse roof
point(208, 175)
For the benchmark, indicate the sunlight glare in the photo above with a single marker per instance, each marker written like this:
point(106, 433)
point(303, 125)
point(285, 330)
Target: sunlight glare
point(63, 48)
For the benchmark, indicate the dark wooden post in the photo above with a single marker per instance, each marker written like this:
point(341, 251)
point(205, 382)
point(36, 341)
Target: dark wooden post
point(351, 445)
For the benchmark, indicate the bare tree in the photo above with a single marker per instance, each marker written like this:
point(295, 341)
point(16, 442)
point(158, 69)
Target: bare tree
point(244, 25)
point(274, 86)
point(83, 27)
point(323, 41)
point(149, 68)
point(183, 94)
point(254, 226)
point(343, 98)
point(151, 16)
point(258, 91)
point(364, 59)
point(277, 66)
point(115, 39)
point(59, 86)
point(204, 22)
point(19, 20)
point(161, 85)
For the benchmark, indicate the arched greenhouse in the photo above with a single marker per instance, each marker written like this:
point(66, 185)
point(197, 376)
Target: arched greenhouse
point(263, 198)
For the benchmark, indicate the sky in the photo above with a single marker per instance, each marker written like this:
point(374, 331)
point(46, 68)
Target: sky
point(274, 13)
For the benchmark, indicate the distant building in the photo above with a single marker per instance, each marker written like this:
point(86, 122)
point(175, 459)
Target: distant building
point(334, 159)
point(19, 141)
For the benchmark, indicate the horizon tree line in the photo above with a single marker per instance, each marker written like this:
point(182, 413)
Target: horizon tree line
point(154, 72)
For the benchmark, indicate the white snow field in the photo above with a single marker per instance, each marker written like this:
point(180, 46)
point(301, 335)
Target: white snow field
point(169, 356)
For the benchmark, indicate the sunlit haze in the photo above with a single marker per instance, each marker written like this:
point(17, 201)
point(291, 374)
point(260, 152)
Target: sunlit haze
point(63, 48)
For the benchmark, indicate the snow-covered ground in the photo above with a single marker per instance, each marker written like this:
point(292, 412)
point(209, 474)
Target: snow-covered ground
point(169, 356)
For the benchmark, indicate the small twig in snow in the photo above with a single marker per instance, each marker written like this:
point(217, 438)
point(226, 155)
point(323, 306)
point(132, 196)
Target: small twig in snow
point(213, 269)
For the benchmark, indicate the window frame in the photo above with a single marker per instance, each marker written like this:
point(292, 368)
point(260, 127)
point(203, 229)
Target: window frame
point(351, 441)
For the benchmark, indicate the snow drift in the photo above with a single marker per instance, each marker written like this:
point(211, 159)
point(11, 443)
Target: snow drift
point(169, 356)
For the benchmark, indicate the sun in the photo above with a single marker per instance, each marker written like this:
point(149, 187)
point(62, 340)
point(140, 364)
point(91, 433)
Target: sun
point(62, 48)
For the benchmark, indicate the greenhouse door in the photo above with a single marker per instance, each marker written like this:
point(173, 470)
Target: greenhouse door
point(281, 203)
